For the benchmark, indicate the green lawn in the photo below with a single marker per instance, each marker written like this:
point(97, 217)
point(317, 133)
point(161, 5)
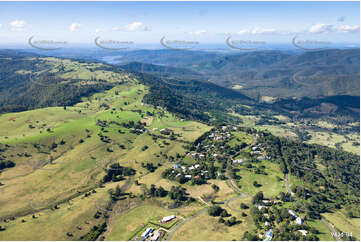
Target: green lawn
point(125, 226)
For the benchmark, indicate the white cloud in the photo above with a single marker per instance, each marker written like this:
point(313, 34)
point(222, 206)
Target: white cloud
point(348, 28)
point(136, 26)
point(74, 27)
point(17, 25)
point(321, 28)
point(328, 28)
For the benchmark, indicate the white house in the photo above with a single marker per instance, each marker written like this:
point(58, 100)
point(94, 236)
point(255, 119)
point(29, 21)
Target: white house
point(147, 232)
point(299, 220)
point(303, 232)
point(292, 213)
point(238, 161)
point(167, 218)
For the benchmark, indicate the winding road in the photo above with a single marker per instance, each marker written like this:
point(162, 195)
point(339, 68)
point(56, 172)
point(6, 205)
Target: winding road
point(330, 228)
point(230, 182)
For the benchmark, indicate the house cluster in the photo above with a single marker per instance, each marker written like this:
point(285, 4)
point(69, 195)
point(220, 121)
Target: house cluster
point(238, 161)
point(196, 155)
point(151, 234)
point(217, 135)
point(259, 150)
point(265, 202)
point(298, 220)
point(189, 171)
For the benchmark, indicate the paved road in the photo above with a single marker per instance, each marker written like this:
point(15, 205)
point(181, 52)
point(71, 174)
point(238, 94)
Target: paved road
point(330, 228)
point(332, 231)
point(230, 182)
point(183, 222)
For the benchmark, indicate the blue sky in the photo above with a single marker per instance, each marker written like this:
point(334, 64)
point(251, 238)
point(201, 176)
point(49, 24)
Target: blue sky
point(205, 22)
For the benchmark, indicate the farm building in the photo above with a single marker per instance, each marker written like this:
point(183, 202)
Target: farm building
point(168, 218)
point(147, 232)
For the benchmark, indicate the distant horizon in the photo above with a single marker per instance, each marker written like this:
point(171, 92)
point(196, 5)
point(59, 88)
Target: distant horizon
point(205, 22)
point(158, 46)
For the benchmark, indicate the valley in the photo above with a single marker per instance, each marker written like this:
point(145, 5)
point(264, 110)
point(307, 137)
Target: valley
point(94, 152)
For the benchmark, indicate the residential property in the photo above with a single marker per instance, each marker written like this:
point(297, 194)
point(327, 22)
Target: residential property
point(269, 234)
point(155, 236)
point(299, 221)
point(266, 201)
point(303, 232)
point(147, 232)
point(239, 161)
point(292, 213)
